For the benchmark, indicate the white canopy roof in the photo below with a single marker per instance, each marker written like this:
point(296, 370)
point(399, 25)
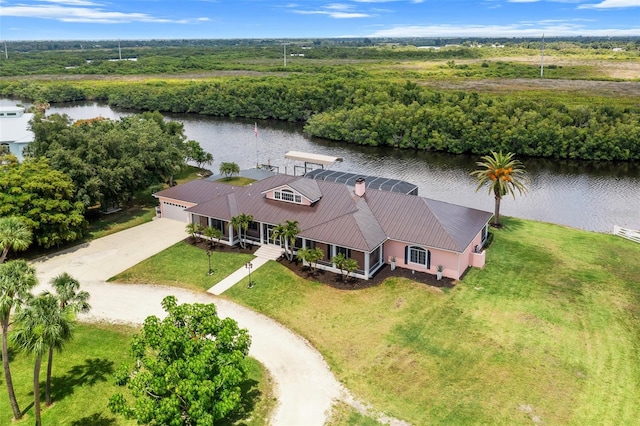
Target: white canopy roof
point(325, 160)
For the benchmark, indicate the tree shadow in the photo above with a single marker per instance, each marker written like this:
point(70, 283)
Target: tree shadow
point(250, 395)
point(92, 371)
point(95, 419)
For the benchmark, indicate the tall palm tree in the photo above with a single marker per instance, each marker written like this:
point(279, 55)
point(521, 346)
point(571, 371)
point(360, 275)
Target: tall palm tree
point(39, 325)
point(17, 279)
point(503, 175)
point(14, 234)
point(68, 295)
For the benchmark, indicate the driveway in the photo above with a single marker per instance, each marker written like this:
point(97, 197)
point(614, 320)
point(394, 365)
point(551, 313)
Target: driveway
point(305, 387)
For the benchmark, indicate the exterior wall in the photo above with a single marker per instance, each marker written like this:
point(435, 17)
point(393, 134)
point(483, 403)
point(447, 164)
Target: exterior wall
point(163, 200)
point(171, 200)
point(476, 259)
point(449, 260)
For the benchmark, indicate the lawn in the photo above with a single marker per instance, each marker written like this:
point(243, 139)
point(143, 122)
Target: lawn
point(184, 265)
point(83, 381)
point(547, 332)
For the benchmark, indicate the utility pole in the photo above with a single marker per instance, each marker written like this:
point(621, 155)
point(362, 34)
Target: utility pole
point(285, 54)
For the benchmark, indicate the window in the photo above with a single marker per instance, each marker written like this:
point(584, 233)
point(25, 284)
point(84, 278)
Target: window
point(287, 195)
point(420, 256)
point(217, 224)
point(345, 251)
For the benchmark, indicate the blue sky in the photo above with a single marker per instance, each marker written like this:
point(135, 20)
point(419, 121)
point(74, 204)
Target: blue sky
point(161, 19)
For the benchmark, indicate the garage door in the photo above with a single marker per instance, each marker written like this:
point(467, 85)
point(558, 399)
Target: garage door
point(174, 211)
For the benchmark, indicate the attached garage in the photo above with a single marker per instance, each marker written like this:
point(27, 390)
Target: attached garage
point(174, 211)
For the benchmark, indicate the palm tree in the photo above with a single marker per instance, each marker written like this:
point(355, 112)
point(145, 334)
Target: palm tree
point(241, 222)
point(291, 231)
point(229, 169)
point(311, 256)
point(503, 175)
point(341, 262)
point(17, 279)
point(14, 234)
point(39, 325)
point(66, 290)
point(212, 233)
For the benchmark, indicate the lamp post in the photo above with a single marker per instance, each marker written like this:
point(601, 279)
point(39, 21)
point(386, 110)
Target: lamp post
point(248, 265)
point(209, 255)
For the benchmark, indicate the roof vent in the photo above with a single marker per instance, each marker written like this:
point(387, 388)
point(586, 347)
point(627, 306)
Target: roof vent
point(360, 187)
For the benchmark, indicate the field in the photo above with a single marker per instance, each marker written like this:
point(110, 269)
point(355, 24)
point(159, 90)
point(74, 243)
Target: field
point(546, 333)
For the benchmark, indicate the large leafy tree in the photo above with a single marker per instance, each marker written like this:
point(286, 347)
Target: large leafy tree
point(43, 199)
point(188, 367)
point(503, 175)
point(68, 294)
point(111, 160)
point(38, 326)
point(17, 279)
point(14, 234)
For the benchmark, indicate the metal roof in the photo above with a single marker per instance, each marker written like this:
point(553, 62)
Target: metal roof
point(325, 160)
point(373, 182)
point(340, 217)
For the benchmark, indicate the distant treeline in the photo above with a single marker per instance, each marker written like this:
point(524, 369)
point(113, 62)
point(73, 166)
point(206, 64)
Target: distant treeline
point(352, 106)
point(88, 45)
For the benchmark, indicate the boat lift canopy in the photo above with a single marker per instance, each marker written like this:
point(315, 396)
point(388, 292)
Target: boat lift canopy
point(310, 159)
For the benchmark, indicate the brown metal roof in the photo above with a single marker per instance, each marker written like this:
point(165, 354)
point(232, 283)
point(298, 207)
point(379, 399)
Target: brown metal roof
point(195, 191)
point(340, 217)
point(426, 222)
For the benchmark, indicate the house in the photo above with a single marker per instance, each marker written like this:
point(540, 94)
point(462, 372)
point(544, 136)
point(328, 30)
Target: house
point(372, 226)
point(15, 133)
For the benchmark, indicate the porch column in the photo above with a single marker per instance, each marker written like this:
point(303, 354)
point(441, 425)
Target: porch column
point(367, 263)
point(230, 234)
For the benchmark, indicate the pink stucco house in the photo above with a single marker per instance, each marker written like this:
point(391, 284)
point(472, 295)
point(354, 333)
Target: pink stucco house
point(369, 225)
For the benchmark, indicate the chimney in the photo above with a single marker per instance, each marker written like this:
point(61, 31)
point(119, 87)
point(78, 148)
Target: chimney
point(360, 187)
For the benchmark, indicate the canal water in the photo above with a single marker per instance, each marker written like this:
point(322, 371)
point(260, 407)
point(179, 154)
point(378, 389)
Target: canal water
point(586, 195)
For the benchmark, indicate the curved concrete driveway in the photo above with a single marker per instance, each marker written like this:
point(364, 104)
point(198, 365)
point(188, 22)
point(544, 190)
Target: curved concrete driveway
point(305, 387)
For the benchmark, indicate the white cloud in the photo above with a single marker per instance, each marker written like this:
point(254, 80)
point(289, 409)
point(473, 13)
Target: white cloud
point(72, 2)
point(514, 30)
point(336, 11)
point(81, 14)
point(611, 4)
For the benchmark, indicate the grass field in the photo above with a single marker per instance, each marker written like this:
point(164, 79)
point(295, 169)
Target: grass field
point(83, 381)
point(547, 332)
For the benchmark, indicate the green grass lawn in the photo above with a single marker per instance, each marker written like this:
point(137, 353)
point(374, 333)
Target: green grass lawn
point(184, 265)
point(548, 331)
point(236, 180)
point(83, 381)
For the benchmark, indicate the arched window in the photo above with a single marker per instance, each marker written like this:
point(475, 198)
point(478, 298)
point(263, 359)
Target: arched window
point(419, 256)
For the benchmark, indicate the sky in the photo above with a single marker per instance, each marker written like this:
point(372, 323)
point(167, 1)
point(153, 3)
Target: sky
point(197, 19)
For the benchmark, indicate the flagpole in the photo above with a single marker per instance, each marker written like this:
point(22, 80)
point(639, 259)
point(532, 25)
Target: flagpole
point(255, 131)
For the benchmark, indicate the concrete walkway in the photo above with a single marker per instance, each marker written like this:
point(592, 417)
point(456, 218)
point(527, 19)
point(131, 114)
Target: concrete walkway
point(263, 255)
point(303, 383)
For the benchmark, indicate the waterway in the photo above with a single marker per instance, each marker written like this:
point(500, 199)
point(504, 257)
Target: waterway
point(591, 196)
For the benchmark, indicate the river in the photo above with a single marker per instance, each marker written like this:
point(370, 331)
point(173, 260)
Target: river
point(590, 196)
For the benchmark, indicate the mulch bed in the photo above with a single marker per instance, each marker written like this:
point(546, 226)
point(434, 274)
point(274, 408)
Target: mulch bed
point(350, 283)
point(332, 279)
